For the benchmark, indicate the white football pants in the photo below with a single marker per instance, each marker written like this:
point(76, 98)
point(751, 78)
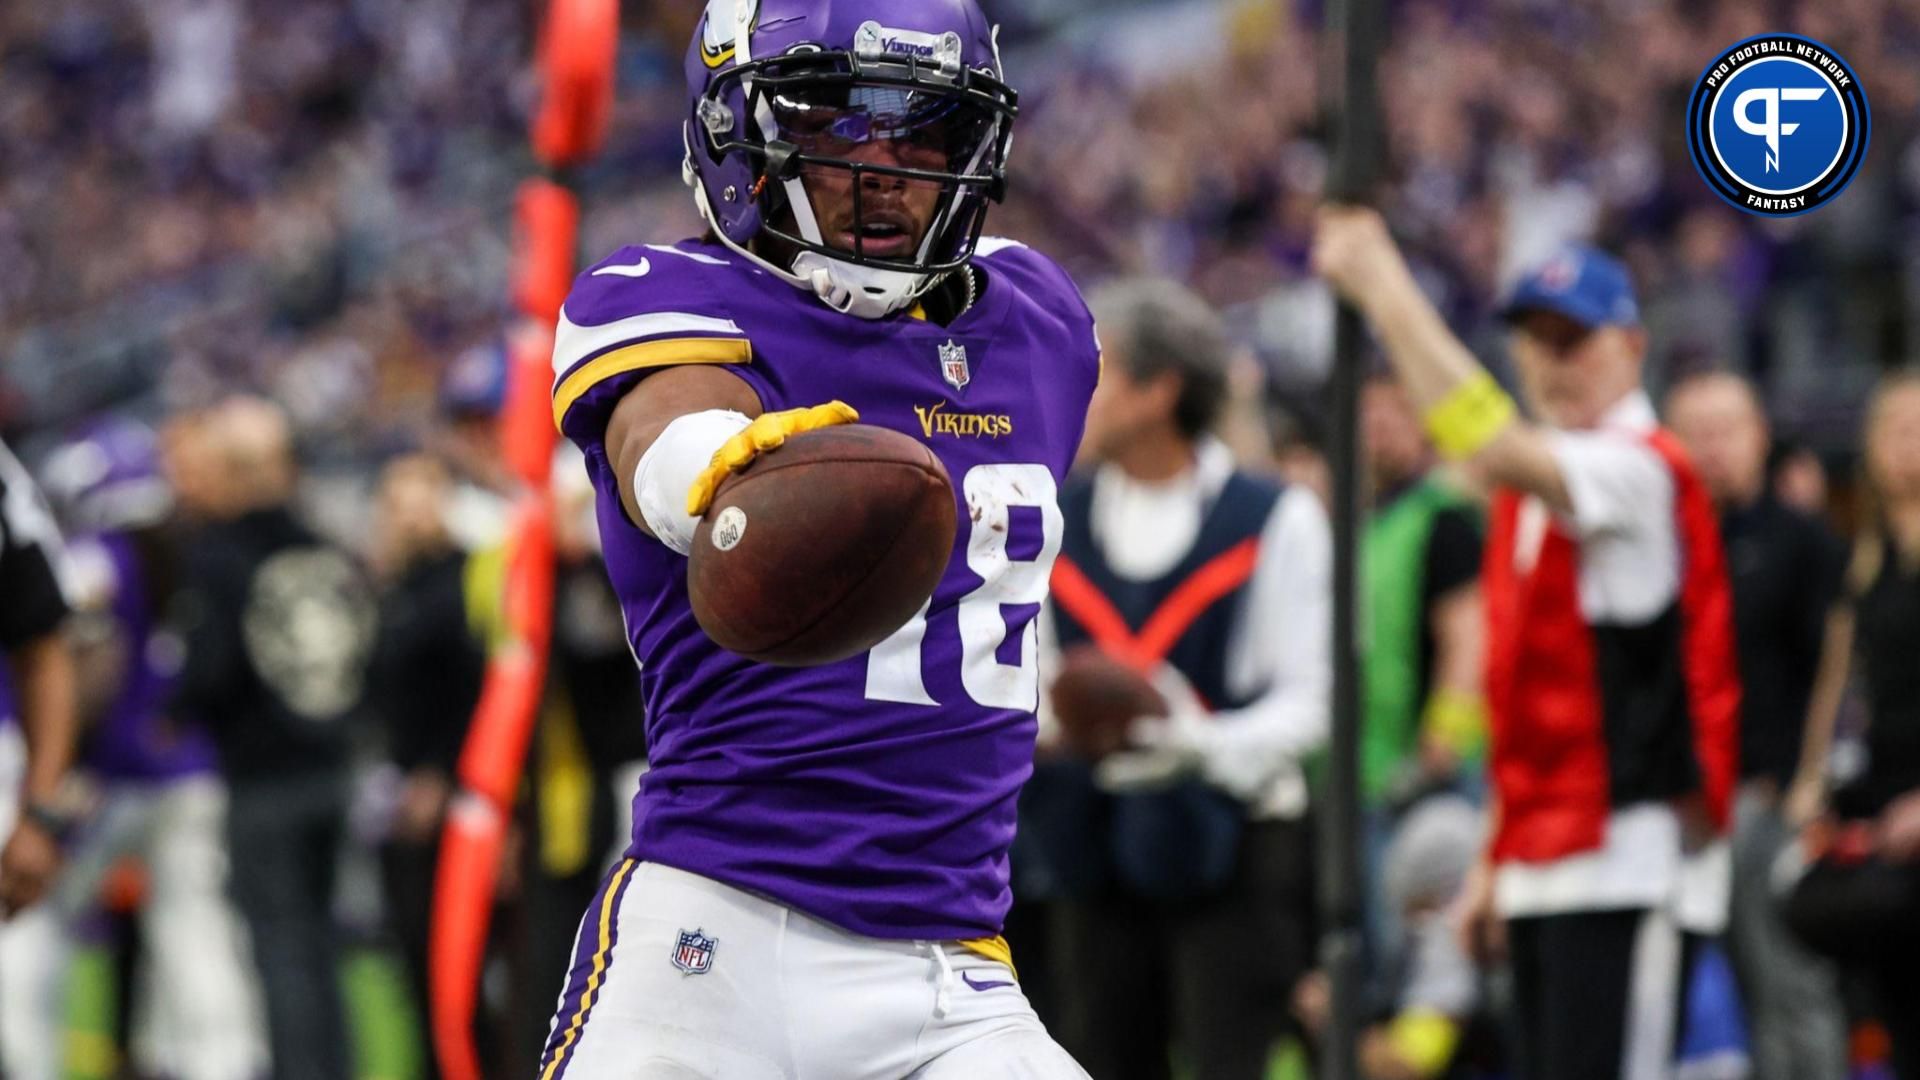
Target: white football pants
point(777, 996)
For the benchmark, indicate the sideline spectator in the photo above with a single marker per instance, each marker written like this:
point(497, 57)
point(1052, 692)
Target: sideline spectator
point(1858, 902)
point(278, 627)
point(1424, 728)
point(1798, 479)
point(1439, 1024)
point(1200, 845)
point(425, 681)
point(1611, 680)
point(194, 1013)
point(1785, 567)
point(1425, 719)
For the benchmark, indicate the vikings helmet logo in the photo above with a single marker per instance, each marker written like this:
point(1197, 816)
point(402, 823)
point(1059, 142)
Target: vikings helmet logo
point(722, 28)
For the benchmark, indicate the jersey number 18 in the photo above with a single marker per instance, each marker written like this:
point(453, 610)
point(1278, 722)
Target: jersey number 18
point(991, 491)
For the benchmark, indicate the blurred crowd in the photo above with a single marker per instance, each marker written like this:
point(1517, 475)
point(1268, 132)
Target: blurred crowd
point(1186, 141)
point(313, 198)
point(309, 201)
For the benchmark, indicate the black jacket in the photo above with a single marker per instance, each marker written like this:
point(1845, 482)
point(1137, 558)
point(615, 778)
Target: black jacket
point(278, 629)
point(1785, 569)
point(429, 665)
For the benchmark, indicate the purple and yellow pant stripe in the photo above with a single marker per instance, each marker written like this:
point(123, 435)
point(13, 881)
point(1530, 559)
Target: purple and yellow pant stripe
point(592, 953)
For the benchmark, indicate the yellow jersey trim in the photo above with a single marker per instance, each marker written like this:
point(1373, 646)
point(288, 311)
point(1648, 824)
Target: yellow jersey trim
point(603, 946)
point(668, 352)
point(993, 948)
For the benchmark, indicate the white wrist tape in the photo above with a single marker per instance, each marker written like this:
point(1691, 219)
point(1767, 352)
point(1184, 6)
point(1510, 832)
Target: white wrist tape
point(670, 466)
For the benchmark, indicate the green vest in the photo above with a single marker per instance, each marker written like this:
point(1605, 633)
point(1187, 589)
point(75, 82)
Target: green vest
point(1393, 574)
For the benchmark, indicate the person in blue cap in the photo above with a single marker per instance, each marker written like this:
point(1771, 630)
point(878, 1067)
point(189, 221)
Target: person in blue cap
point(1612, 693)
point(1578, 345)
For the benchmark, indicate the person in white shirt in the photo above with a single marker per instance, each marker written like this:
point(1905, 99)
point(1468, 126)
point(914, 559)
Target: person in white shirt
point(1611, 683)
point(1190, 843)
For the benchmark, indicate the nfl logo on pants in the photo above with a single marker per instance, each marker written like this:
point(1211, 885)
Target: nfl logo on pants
point(693, 953)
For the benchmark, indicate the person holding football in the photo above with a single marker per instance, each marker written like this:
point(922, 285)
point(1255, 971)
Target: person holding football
point(818, 870)
point(1196, 591)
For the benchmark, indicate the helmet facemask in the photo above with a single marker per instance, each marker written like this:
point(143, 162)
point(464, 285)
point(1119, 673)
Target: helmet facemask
point(863, 147)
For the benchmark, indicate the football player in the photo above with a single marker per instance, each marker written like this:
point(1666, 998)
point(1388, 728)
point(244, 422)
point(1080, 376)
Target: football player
point(818, 868)
point(161, 796)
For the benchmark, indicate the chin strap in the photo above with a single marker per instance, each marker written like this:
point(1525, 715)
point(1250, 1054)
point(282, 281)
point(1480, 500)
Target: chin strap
point(860, 291)
point(833, 294)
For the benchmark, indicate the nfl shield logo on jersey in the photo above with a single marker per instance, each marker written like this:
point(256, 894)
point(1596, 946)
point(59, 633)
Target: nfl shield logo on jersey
point(693, 953)
point(953, 365)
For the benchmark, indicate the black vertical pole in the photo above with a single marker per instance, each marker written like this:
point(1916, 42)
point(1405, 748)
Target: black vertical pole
point(1352, 43)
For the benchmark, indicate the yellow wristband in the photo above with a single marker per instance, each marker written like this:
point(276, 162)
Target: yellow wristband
point(1457, 721)
point(1425, 1040)
point(1470, 417)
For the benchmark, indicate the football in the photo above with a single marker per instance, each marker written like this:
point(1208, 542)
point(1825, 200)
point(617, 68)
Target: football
point(818, 550)
point(1096, 698)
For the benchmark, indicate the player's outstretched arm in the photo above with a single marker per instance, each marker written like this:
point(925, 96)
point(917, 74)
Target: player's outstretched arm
point(676, 437)
point(1470, 418)
point(651, 407)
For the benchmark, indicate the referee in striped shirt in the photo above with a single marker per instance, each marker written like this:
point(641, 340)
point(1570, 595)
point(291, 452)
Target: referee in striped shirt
point(32, 608)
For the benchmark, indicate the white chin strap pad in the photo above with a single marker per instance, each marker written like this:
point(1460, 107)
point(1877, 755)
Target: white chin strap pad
point(861, 291)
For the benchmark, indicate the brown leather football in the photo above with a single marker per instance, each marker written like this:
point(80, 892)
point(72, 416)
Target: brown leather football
point(1096, 698)
point(818, 550)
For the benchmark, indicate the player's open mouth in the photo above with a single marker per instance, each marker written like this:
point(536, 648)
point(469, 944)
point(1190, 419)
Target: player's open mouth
point(879, 237)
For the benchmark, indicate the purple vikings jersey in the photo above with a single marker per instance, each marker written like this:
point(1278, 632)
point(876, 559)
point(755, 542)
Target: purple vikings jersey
point(137, 737)
point(877, 793)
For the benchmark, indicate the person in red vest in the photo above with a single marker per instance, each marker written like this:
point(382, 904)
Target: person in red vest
point(1611, 683)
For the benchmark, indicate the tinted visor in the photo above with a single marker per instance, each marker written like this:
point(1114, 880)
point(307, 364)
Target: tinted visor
point(899, 158)
point(931, 130)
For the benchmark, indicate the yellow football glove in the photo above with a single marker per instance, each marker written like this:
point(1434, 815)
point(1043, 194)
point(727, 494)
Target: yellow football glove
point(767, 432)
